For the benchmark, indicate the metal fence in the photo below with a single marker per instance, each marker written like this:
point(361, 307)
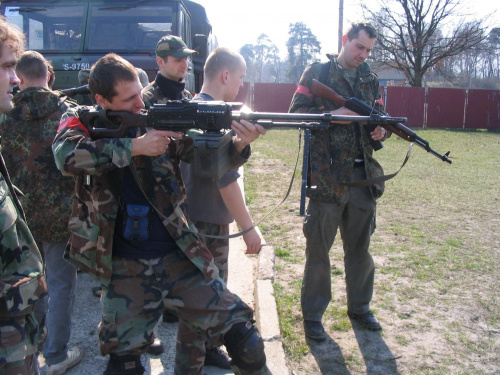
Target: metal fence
point(424, 107)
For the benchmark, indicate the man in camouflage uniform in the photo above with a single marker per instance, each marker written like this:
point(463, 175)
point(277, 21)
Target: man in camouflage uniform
point(172, 56)
point(214, 204)
point(339, 155)
point(27, 136)
point(130, 231)
point(22, 281)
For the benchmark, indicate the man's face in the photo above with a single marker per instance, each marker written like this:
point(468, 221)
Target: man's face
point(8, 78)
point(128, 99)
point(355, 51)
point(173, 68)
point(234, 82)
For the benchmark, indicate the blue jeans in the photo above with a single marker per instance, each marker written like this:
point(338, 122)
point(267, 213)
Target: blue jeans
point(61, 283)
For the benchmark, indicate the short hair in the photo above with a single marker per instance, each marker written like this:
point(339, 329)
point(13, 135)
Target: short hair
point(32, 65)
point(356, 27)
point(107, 71)
point(12, 36)
point(222, 58)
point(52, 73)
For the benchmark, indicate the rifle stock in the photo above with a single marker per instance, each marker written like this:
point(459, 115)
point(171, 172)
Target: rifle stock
point(356, 105)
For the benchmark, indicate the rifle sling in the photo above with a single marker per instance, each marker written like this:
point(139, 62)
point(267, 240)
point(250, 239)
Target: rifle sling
point(379, 179)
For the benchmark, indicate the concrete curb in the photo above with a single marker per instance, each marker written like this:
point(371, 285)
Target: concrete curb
point(267, 313)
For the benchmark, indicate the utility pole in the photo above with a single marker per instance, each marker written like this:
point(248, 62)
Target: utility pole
point(341, 23)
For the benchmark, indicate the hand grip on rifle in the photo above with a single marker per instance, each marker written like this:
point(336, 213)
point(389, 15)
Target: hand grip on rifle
point(356, 105)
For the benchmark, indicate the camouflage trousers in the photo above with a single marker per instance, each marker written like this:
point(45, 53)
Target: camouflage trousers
point(18, 345)
point(141, 289)
point(219, 247)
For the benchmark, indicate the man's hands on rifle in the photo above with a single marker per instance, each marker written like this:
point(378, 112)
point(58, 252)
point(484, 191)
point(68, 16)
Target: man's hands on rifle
point(153, 143)
point(377, 135)
point(246, 132)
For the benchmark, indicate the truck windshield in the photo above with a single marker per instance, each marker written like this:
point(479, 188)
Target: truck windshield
point(133, 27)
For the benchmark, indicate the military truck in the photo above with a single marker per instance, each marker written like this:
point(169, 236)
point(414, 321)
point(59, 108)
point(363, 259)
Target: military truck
point(74, 34)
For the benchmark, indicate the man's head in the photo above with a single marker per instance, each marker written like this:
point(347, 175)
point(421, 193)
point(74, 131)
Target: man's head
point(223, 73)
point(357, 44)
point(115, 84)
point(11, 46)
point(32, 70)
point(171, 56)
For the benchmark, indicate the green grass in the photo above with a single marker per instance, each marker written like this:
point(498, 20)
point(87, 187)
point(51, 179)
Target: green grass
point(436, 247)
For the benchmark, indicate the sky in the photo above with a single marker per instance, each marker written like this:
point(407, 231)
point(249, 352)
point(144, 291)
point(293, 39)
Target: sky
point(240, 22)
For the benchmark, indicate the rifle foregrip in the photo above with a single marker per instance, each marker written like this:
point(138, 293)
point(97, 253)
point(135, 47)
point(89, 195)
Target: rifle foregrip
point(356, 105)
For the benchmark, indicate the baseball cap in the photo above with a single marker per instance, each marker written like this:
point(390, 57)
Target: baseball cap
point(171, 45)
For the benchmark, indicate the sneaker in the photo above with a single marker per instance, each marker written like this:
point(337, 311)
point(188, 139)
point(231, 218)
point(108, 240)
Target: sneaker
point(216, 357)
point(73, 357)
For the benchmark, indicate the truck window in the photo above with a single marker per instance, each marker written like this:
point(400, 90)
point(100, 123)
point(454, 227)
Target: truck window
point(133, 28)
point(49, 28)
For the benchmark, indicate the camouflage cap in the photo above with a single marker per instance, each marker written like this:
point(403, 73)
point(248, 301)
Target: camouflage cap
point(171, 45)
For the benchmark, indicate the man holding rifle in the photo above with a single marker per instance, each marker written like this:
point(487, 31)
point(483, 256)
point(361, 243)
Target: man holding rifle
point(129, 229)
point(341, 155)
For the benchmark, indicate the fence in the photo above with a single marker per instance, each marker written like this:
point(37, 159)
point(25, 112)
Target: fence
point(424, 107)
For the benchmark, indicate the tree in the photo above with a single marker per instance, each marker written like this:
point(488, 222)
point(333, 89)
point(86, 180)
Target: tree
point(416, 36)
point(303, 46)
point(263, 62)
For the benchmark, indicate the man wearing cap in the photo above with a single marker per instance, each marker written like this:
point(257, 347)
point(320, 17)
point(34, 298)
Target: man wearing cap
point(172, 58)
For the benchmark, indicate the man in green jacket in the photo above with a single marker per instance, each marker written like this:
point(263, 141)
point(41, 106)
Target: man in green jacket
point(22, 281)
point(340, 155)
point(130, 231)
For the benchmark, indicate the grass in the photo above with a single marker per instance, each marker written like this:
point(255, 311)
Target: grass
point(436, 249)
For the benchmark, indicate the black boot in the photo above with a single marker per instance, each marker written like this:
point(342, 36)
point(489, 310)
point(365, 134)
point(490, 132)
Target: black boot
point(124, 365)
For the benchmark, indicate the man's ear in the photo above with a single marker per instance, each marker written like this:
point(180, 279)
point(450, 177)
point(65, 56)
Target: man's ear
point(225, 75)
point(101, 101)
point(344, 39)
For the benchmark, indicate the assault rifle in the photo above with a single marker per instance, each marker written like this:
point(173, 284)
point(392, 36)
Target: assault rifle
point(214, 118)
point(356, 105)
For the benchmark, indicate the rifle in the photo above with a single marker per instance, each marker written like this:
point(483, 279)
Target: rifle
point(356, 105)
point(213, 118)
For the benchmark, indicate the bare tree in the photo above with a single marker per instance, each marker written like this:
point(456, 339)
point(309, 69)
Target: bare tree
point(418, 35)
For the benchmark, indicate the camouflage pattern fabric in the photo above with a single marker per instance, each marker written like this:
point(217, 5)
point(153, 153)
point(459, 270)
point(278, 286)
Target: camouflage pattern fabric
point(95, 207)
point(27, 135)
point(29, 366)
point(219, 247)
point(333, 151)
point(22, 281)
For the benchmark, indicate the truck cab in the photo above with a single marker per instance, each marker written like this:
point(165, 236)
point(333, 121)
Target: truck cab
point(74, 34)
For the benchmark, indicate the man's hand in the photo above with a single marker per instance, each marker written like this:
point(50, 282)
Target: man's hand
point(253, 242)
point(246, 132)
point(379, 133)
point(153, 143)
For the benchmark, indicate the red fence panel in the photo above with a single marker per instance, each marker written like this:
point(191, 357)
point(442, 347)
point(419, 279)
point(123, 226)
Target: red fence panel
point(273, 97)
point(407, 102)
point(244, 95)
point(445, 108)
point(483, 109)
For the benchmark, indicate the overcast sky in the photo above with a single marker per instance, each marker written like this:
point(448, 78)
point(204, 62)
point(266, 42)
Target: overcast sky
point(239, 22)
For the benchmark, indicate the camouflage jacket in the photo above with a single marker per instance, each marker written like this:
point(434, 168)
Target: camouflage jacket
point(27, 135)
point(333, 151)
point(152, 94)
point(22, 281)
point(96, 204)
